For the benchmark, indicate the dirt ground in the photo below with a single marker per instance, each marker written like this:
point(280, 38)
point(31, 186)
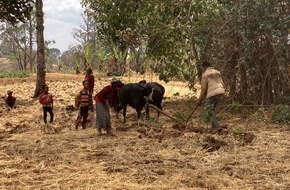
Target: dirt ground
point(250, 153)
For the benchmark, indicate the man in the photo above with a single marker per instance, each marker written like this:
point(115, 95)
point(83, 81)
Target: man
point(10, 101)
point(212, 88)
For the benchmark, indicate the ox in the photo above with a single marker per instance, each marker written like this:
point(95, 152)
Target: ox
point(155, 94)
point(132, 94)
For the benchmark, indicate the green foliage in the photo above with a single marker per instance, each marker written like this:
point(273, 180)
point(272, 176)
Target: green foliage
point(16, 74)
point(72, 58)
point(102, 54)
point(180, 116)
point(238, 131)
point(15, 11)
point(116, 20)
point(250, 39)
point(88, 54)
point(260, 114)
point(251, 49)
point(68, 71)
point(208, 113)
point(116, 79)
point(281, 114)
point(235, 107)
point(52, 56)
point(176, 94)
point(15, 42)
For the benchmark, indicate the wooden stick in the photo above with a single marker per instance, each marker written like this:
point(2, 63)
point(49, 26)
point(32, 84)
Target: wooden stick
point(191, 114)
point(161, 111)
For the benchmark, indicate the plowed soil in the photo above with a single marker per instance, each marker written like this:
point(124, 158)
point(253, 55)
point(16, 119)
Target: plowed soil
point(249, 153)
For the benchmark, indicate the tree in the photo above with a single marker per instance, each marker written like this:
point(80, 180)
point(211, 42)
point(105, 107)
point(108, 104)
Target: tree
point(252, 50)
point(73, 57)
point(17, 43)
point(254, 47)
point(40, 78)
point(117, 26)
point(86, 35)
point(15, 11)
point(52, 57)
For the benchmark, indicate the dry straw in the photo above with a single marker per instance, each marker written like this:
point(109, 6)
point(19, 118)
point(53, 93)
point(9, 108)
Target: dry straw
point(145, 155)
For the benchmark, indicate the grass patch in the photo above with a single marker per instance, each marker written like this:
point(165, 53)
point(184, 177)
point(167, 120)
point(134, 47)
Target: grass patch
point(281, 114)
point(16, 74)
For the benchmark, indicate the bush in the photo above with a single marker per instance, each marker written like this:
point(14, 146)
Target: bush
point(17, 74)
point(238, 131)
point(235, 107)
point(208, 113)
point(180, 116)
point(281, 114)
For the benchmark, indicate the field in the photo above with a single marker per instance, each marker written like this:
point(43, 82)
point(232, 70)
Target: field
point(250, 153)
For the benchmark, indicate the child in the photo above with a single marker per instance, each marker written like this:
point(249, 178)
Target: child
point(82, 101)
point(91, 80)
point(47, 104)
point(10, 101)
point(108, 94)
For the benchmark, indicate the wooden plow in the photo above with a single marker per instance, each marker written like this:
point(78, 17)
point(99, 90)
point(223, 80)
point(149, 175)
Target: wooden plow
point(174, 118)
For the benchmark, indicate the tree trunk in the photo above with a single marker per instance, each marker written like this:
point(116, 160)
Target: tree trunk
point(19, 61)
point(195, 57)
point(30, 44)
point(244, 84)
point(40, 78)
point(25, 57)
point(232, 77)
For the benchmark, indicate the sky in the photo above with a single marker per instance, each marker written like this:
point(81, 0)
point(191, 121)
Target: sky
point(60, 17)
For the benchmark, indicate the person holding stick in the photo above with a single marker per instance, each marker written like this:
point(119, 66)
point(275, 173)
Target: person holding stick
point(212, 89)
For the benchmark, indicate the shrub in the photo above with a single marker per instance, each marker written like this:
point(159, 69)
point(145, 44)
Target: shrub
point(281, 114)
point(235, 107)
point(237, 131)
point(176, 94)
point(208, 113)
point(16, 74)
point(180, 116)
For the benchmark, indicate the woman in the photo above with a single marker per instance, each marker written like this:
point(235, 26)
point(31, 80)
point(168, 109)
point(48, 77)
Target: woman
point(108, 95)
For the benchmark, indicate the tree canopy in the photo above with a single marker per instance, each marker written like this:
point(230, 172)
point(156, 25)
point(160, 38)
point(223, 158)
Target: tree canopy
point(14, 11)
point(246, 40)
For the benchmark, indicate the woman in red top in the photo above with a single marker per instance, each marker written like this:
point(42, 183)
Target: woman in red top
point(108, 94)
